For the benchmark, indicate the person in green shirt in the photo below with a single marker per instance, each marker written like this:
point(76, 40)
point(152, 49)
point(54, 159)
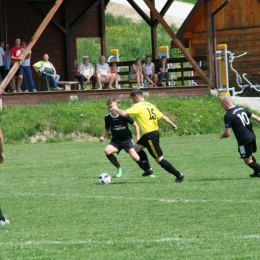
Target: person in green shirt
point(45, 67)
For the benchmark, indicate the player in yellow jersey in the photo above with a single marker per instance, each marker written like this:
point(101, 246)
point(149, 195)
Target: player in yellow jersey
point(147, 116)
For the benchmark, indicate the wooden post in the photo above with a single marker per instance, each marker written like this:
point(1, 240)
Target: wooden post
point(178, 42)
point(153, 35)
point(209, 39)
point(103, 29)
point(34, 39)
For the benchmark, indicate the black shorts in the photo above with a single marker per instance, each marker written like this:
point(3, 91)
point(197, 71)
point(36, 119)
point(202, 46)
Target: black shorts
point(247, 149)
point(126, 145)
point(19, 72)
point(151, 141)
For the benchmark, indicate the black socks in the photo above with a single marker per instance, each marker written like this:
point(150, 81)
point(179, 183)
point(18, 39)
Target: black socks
point(256, 167)
point(111, 157)
point(144, 159)
point(169, 168)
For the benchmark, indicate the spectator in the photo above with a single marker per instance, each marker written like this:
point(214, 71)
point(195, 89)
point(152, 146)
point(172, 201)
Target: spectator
point(113, 70)
point(2, 60)
point(16, 53)
point(162, 71)
point(149, 71)
point(7, 59)
point(27, 72)
point(103, 73)
point(136, 72)
point(45, 67)
point(86, 73)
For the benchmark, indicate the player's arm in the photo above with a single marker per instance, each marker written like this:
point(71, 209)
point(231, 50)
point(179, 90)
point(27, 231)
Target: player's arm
point(167, 120)
point(119, 111)
point(255, 117)
point(137, 130)
point(104, 135)
point(226, 133)
point(2, 157)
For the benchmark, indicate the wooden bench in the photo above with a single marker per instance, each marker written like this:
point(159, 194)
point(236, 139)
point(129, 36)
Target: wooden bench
point(67, 84)
point(178, 70)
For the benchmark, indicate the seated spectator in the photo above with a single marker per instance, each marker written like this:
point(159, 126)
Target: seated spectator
point(113, 70)
point(86, 73)
point(27, 72)
point(149, 71)
point(7, 64)
point(103, 73)
point(162, 71)
point(136, 72)
point(46, 68)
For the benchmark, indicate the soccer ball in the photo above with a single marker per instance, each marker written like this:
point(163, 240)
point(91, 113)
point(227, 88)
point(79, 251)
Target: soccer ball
point(105, 178)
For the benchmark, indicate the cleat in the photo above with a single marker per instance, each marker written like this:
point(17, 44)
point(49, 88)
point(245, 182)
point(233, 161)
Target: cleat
point(3, 223)
point(180, 179)
point(120, 172)
point(148, 173)
point(254, 175)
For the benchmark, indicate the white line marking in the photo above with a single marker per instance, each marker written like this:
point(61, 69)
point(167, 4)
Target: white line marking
point(134, 198)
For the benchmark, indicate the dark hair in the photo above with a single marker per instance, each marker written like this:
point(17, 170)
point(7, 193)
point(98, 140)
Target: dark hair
point(138, 59)
point(136, 92)
point(164, 57)
point(110, 101)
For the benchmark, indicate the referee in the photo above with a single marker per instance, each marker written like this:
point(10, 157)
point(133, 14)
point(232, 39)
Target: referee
point(147, 116)
point(237, 118)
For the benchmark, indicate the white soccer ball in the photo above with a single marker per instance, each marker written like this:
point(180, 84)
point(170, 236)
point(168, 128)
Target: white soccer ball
point(105, 178)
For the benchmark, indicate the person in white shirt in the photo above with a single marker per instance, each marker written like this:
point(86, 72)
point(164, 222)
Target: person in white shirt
point(2, 60)
point(104, 74)
point(149, 71)
point(27, 72)
point(86, 73)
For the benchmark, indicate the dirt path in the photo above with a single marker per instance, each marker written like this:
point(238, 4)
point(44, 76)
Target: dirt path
point(128, 12)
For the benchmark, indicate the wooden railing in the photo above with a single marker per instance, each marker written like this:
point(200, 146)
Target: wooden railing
point(180, 68)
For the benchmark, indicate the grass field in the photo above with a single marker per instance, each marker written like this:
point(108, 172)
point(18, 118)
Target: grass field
point(58, 210)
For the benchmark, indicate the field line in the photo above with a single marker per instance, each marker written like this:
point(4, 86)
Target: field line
point(163, 200)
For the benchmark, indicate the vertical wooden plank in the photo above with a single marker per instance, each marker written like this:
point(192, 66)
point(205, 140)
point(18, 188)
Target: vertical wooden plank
point(153, 35)
point(34, 39)
point(103, 30)
point(68, 49)
point(209, 39)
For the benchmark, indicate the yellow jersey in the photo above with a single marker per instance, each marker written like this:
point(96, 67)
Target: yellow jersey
point(146, 115)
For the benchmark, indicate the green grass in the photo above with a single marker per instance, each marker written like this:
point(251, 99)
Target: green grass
point(58, 209)
point(189, 1)
point(193, 115)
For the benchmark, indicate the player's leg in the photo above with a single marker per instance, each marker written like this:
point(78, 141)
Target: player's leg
point(3, 220)
point(137, 158)
point(109, 151)
point(156, 152)
point(246, 154)
point(143, 156)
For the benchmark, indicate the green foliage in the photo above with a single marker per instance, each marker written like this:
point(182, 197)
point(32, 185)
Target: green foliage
point(132, 39)
point(189, 1)
point(58, 210)
point(193, 115)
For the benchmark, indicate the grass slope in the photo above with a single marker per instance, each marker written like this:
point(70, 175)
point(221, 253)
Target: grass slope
point(193, 115)
point(58, 209)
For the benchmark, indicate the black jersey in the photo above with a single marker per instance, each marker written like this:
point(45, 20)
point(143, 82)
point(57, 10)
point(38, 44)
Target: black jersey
point(119, 127)
point(237, 118)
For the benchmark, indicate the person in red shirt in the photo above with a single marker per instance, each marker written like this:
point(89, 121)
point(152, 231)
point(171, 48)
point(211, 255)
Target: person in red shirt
point(16, 53)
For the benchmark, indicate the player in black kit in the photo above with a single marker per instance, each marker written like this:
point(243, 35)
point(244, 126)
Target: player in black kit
point(121, 138)
point(237, 118)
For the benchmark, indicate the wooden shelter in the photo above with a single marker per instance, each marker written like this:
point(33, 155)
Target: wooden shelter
point(237, 24)
point(52, 26)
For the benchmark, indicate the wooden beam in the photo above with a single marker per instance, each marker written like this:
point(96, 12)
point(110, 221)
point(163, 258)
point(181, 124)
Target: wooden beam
point(44, 14)
point(140, 11)
point(67, 54)
point(153, 35)
point(103, 28)
point(34, 39)
point(209, 40)
point(84, 14)
point(163, 11)
point(178, 42)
